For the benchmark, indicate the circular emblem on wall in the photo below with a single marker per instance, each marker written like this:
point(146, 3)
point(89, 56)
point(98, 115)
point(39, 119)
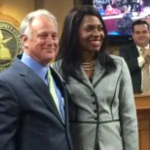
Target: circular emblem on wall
point(10, 44)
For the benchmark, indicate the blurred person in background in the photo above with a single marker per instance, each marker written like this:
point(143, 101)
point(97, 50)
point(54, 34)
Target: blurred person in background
point(137, 56)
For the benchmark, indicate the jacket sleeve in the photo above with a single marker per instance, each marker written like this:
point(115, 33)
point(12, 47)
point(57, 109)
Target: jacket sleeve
point(8, 117)
point(130, 58)
point(128, 117)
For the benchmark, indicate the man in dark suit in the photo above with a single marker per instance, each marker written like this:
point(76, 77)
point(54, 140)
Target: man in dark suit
point(31, 117)
point(133, 54)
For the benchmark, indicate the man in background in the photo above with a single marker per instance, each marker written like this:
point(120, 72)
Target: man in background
point(137, 56)
point(136, 5)
point(33, 109)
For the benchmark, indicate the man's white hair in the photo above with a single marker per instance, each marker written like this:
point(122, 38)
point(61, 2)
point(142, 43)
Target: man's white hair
point(25, 25)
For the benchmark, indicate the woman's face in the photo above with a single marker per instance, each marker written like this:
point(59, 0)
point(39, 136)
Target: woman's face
point(91, 34)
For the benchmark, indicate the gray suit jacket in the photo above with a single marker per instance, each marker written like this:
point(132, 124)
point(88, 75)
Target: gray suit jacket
point(29, 119)
point(103, 113)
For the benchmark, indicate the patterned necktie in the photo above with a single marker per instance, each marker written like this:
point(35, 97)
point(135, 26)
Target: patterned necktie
point(56, 94)
point(145, 76)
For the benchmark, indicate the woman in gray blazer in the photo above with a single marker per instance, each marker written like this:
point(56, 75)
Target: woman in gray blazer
point(102, 108)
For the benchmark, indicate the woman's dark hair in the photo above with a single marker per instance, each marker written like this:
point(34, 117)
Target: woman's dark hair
point(70, 46)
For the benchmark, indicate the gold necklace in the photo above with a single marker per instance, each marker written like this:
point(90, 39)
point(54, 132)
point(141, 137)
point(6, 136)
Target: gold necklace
point(88, 66)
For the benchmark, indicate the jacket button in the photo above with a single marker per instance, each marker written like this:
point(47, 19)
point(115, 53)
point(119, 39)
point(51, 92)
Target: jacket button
point(95, 118)
point(95, 110)
point(94, 103)
point(93, 94)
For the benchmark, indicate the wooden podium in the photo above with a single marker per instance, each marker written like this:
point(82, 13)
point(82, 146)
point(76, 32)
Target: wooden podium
point(143, 111)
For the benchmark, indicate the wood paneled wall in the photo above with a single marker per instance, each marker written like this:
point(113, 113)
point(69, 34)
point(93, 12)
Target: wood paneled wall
point(143, 112)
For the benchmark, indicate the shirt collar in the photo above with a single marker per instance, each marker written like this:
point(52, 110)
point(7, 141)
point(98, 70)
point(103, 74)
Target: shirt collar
point(139, 48)
point(35, 66)
point(146, 47)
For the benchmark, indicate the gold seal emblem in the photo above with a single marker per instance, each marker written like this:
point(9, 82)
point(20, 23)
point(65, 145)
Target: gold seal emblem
point(9, 44)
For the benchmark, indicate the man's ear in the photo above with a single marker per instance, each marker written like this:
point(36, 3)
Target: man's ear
point(24, 39)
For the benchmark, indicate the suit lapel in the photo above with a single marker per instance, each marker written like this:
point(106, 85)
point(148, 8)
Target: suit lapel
point(37, 85)
point(61, 85)
point(98, 74)
point(134, 50)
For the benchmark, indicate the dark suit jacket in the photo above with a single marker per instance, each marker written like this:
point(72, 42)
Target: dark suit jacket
point(130, 54)
point(29, 119)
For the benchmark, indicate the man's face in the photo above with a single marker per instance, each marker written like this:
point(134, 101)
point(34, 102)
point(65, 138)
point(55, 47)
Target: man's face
point(42, 45)
point(141, 35)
